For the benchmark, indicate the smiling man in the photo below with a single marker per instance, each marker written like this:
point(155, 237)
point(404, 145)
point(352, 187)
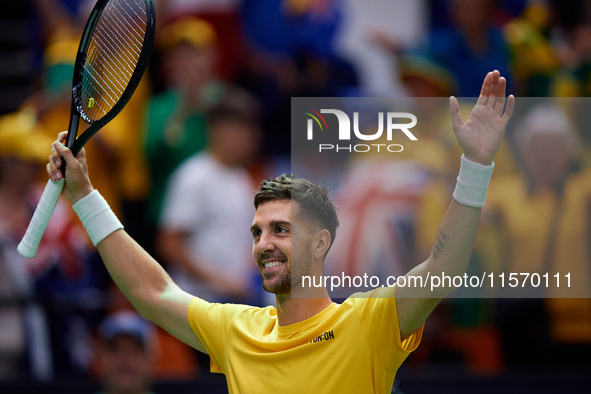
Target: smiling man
point(307, 343)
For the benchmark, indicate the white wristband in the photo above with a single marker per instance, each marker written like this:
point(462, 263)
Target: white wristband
point(97, 217)
point(472, 183)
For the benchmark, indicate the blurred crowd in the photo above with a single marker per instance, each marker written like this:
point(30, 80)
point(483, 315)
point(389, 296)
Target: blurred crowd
point(211, 119)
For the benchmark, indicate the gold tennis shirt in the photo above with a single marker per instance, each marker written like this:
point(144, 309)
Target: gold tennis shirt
point(353, 347)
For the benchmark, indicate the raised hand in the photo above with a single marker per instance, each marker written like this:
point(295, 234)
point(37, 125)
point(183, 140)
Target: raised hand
point(480, 136)
point(77, 182)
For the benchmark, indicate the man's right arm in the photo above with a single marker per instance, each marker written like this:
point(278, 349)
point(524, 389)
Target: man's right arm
point(141, 279)
point(147, 285)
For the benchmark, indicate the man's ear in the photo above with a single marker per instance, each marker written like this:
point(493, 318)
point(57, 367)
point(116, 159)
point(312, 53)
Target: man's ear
point(321, 244)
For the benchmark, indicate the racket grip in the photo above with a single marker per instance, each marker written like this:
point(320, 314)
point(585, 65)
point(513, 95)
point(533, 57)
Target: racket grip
point(30, 242)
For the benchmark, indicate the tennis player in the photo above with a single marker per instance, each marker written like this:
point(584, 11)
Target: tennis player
point(305, 344)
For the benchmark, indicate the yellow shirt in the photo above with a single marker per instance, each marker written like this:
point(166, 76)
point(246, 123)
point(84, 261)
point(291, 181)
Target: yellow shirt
point(353, 347)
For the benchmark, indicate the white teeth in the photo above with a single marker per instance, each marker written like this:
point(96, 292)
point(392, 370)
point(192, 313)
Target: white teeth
point(272, 264)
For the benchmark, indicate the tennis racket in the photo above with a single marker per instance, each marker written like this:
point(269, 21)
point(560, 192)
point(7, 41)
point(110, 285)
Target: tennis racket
point(111, 59)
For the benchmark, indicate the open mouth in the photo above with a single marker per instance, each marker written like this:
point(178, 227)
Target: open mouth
point(270, 264)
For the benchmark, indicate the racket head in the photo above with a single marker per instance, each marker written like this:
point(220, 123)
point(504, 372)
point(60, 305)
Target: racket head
point(112, 57)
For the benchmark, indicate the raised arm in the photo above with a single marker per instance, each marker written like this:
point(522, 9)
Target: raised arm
point(143, 281)
point(479, 137)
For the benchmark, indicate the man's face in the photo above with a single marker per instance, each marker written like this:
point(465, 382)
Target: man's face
point(274, 234)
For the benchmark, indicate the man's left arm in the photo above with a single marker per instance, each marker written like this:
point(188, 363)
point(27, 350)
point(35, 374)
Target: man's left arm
point(479, 137)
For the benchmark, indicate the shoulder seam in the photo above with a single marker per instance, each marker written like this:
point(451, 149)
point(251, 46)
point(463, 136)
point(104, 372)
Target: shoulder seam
point(365, 335)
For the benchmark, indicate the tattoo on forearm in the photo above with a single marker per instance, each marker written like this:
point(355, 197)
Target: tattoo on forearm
point(439, 243)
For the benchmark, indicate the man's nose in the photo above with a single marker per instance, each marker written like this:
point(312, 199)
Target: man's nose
point(265, 243)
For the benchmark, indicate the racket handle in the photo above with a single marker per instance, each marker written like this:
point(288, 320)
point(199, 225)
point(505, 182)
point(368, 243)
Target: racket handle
point(30, 242)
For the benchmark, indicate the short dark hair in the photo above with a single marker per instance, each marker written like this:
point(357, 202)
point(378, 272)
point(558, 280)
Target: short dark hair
point(315, 203)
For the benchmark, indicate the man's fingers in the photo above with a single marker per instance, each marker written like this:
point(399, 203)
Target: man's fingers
point(509, 110)
point(55, 157)
point(66, 154)
point(456, 116)
point(500, 96)
point(61, 153)
point(53, 170)
point(81, 156)
point(485, 91)
point(493, 88)
point(61, 137)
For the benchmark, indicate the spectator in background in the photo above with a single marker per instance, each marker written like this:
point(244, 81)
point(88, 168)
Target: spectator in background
point(471, 45)
point(224, 16)
point(175, 125)
point(367, 29)
point(574, 77)
point(422, 76)
point(61, 286)
point(544, 216)
point(125, 354)
point(208, 202)
point(21, 158)
point(292, 54)
point(533, 59)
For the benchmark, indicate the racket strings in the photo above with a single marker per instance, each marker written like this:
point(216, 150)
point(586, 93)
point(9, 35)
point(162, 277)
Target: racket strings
point(120, 36)
point(135, 41)
point(105, 59)
point(118, 47)
point(112, 56)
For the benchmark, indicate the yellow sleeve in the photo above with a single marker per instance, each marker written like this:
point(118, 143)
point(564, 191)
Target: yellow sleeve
point(210, 323)
point(379, 319)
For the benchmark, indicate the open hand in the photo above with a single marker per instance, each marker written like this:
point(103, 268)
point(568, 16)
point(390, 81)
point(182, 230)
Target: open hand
point(480, 136)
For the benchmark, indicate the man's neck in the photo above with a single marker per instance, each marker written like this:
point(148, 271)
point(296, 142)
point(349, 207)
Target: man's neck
point(294, 310)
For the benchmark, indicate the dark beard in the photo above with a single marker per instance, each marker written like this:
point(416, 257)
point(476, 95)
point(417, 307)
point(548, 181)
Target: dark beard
point(282, 286)
point(285, 282)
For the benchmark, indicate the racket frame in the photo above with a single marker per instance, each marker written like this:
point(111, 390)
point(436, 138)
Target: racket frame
point(76, 144)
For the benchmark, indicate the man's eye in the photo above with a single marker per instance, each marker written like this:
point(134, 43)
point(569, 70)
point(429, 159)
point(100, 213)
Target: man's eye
point(281, 230)
point(256, 233)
